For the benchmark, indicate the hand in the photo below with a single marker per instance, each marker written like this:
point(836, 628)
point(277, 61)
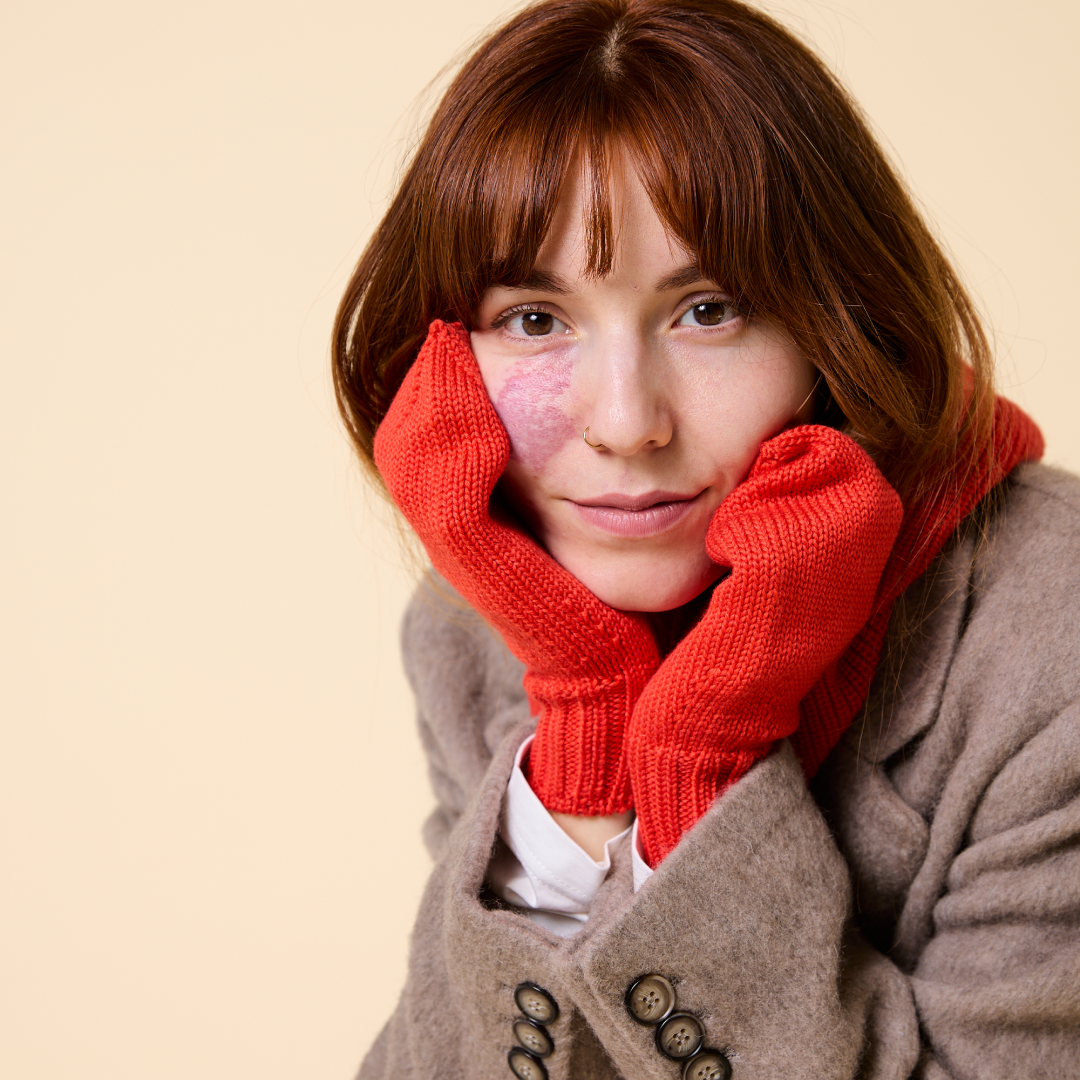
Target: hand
point(441, 449)
point(807, 536)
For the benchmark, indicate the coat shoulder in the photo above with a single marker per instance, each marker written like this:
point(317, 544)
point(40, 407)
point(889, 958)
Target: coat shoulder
point(1022, 629)
point(1039, 524)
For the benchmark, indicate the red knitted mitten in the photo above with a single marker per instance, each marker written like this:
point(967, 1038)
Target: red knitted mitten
point(441, 448)
point(806, 535)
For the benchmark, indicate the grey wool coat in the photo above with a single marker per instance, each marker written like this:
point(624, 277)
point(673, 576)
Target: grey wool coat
point(915, 912)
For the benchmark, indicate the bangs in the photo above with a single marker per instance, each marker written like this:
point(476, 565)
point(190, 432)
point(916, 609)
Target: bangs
point(687, 125)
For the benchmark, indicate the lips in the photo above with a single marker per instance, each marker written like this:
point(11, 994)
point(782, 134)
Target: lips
point(636, 515)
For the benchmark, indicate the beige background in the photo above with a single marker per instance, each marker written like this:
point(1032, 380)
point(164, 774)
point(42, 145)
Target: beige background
point(211, 789)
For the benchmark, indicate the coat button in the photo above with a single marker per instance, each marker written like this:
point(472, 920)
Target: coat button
point(680, 1036)
point(651, 999)
point(533, 1037)
point(524, 1066)
point(535, 1003)
point(708, 1065)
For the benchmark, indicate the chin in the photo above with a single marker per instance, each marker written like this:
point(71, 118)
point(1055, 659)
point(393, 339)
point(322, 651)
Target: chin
point(648, 589)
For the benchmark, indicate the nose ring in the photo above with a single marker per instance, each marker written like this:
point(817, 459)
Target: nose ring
point(594, 445)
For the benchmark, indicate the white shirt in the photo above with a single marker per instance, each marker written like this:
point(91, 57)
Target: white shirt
point(539, 868)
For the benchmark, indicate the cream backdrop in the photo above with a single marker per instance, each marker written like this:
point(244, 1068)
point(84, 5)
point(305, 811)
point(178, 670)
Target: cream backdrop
point(212, 789)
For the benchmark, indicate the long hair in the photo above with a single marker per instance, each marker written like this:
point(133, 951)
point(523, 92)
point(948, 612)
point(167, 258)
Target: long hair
point(755, 158)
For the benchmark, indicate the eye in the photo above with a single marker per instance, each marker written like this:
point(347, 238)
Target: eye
point(531, 322)
point(708, 313)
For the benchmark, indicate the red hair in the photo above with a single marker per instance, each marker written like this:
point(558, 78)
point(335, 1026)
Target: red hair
point(755, 158)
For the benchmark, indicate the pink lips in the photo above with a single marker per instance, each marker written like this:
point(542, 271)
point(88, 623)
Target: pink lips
point(638, 515)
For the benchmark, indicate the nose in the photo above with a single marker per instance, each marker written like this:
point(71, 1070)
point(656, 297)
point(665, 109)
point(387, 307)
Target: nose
point(626, 396)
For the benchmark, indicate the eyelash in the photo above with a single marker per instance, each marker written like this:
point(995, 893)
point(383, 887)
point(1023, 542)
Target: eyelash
point(521, 309)
point(711, 298)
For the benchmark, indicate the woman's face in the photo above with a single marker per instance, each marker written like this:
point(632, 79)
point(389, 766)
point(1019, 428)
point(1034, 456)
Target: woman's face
point(676, 384)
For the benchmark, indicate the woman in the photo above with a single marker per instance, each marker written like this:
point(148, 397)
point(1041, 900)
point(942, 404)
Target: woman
point(655, 355)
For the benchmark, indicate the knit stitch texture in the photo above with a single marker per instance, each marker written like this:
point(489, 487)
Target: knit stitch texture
point(806, 536)
point(441, 449)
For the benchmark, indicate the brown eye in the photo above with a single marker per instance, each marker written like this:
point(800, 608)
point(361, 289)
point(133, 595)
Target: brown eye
point(537, 323)
point(710, 313)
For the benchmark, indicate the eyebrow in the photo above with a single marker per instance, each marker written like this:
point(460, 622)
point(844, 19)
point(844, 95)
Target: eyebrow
point(541, 281)
point(680, 278)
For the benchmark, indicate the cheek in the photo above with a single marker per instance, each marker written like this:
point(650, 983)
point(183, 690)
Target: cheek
point(731, 408)
point(533, 406)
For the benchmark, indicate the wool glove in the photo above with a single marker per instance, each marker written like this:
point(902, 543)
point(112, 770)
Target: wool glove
point(441, 449)
point(806, 536)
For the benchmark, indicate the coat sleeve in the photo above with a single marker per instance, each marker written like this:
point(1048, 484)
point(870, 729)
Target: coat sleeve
point(997, 983)
point(987, 934)
point(468, 694)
